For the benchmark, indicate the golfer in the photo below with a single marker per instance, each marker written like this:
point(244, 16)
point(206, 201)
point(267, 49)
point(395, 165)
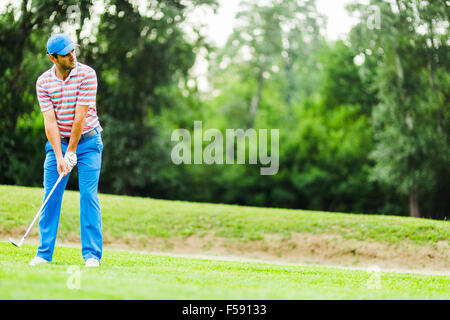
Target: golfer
point(67, 98)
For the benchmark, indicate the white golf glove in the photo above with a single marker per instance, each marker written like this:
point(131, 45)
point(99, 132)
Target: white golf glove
point(71, 159)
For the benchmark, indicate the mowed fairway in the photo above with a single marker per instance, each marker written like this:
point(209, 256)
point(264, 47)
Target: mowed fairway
point(128, 275)
point(137, 222)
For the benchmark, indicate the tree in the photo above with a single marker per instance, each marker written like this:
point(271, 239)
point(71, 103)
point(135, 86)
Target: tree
point(412, 120)
point(141, 54)
point(270, 38)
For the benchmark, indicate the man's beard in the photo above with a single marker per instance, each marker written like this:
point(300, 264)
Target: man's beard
point(70, 66)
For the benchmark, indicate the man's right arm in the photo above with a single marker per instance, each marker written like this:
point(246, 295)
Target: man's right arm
point(54, 137)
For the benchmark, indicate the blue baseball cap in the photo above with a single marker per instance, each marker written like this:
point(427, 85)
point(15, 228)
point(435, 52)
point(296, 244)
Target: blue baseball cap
point(60, 44)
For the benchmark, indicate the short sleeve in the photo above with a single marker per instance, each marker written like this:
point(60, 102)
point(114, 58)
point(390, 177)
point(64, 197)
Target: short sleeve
point(44, 100)
point(88, 90)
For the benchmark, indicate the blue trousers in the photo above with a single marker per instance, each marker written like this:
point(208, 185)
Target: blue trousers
point(89, 154)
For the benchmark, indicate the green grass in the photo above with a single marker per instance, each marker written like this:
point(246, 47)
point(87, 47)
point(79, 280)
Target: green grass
point(129, 217)
point(128, 275)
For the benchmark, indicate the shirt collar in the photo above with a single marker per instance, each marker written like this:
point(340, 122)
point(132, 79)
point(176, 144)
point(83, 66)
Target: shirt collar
point(72, 73)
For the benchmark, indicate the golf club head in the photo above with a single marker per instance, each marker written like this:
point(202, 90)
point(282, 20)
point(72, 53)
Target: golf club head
point(15, 243)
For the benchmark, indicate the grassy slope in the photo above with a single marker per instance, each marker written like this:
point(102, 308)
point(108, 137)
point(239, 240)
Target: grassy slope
point(126, 275)
point(128, 217)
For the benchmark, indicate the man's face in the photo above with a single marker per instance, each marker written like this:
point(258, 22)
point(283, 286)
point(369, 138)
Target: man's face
point(66, 62)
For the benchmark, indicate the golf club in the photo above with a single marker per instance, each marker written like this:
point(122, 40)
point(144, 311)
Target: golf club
point(37, 214)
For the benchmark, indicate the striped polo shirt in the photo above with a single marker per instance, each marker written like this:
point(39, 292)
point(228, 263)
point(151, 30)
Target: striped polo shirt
point(80, 87)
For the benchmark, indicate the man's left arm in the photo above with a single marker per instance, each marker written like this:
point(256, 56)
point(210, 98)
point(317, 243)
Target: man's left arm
point(77, 127)
point(86, 98)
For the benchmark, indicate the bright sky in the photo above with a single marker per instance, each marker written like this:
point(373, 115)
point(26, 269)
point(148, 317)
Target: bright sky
point(339, 21)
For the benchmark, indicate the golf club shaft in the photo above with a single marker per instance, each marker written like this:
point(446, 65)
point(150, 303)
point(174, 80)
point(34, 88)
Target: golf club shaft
point(42, 206)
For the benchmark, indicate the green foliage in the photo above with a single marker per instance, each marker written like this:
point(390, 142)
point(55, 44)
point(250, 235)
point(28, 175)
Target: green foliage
point(139, 59)
point(355, 137)
point(276, 40)
point(343, 81)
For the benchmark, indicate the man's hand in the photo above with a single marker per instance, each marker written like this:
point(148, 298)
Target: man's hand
point(71, 159)
point(62, 166)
